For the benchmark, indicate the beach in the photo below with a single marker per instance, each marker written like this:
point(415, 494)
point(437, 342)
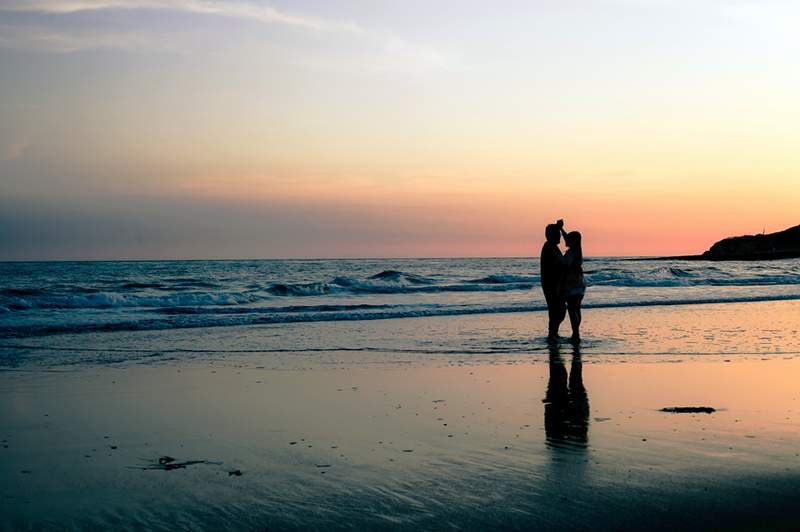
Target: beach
point(273, 265)
point(229, 427)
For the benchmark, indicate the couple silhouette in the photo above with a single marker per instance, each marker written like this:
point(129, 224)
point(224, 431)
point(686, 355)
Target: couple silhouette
point(562, 279)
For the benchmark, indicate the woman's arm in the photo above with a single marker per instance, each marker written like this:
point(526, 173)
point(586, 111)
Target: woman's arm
point(569, 259)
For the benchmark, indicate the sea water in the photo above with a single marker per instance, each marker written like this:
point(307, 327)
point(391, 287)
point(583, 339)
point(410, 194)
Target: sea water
point(51, 298)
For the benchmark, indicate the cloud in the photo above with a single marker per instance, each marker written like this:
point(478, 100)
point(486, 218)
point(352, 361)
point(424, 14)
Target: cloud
point(45, 39)
point(379, 51)
point(108, 227)
point(235, 9)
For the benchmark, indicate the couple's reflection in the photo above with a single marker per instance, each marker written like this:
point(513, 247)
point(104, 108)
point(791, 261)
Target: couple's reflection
point(566, 403)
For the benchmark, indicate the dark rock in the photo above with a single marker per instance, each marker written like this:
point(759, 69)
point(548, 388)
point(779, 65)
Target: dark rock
point(781, 245)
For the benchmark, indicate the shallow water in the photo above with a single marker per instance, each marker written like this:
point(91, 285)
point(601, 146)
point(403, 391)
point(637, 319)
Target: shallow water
point(460, 422)
point(721, 329)
point(418, 446)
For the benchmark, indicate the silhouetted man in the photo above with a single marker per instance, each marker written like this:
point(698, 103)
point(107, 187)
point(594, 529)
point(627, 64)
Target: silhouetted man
point(552, 263)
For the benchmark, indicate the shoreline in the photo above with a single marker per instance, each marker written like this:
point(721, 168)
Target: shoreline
point(12, 340)
point(735, 329)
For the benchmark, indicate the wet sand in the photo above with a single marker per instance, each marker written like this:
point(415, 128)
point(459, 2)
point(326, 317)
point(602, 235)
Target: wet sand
point(544, 438)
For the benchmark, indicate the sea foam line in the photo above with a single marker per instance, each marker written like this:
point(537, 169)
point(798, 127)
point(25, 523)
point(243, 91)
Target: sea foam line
point(205, 320)
point(543, 349)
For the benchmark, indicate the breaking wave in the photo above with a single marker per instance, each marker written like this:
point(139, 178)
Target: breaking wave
point(61, 297)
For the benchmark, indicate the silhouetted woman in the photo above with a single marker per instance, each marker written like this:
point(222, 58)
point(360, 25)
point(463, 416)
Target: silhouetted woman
point(572, 286)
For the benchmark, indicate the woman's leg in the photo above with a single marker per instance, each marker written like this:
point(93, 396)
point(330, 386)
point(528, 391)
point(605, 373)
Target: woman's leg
point(574, 310)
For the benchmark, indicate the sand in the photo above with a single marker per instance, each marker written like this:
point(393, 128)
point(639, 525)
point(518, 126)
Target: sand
point(518, 438)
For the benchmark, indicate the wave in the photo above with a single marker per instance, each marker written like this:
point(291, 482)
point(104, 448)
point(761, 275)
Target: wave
point(339, 286)
point(139, 286)
point(397, 285)
point(21, 292)
point(266, 310)
point(191, 281)
point(506, 279)
point(396, 276)
point(305, 289)
point(677, 277)
point(113, 300)
point(175, 292)
point(196, 318)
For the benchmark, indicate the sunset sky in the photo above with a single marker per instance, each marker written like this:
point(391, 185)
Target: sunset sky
point(252, 128)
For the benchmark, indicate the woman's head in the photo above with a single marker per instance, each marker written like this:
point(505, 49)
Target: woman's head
point(573, 239)
point(553, 233)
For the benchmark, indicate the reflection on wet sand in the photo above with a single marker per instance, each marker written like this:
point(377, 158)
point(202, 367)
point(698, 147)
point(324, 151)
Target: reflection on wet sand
point(566, 403)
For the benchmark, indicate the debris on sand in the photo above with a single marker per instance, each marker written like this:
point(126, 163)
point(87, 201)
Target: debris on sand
point(176, 465)
point(168, 463)
point(689, 410)
point(235, 473)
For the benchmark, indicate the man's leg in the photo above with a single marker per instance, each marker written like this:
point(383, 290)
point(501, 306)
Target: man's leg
point(556, 310)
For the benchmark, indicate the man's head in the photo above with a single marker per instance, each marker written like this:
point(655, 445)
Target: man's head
point(553, 233)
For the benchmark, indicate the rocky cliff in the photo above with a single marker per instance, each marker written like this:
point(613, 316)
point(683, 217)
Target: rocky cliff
point(781, 245)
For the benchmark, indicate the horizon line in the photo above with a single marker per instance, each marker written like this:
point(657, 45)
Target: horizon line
point(229, 259)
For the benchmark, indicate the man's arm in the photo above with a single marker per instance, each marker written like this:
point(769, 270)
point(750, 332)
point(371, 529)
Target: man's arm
point(556, 257)
point(560, 225)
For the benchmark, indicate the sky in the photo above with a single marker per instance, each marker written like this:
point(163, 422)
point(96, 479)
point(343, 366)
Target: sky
point(363, 128)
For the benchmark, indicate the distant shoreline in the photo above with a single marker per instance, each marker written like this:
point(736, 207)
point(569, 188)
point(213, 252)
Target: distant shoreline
point(748, 258)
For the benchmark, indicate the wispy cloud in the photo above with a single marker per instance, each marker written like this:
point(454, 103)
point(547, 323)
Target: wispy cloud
point(228, 8)
point(46, 39)
point(379, 51)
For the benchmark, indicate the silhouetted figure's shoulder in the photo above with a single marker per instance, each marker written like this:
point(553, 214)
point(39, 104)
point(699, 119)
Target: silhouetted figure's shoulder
point(551, 252)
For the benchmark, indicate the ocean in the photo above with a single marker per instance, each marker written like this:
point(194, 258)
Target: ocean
point(51, 298)
point(208, 395)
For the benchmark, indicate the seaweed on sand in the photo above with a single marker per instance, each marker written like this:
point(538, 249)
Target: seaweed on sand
point(168, 463)
point(689, 409)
